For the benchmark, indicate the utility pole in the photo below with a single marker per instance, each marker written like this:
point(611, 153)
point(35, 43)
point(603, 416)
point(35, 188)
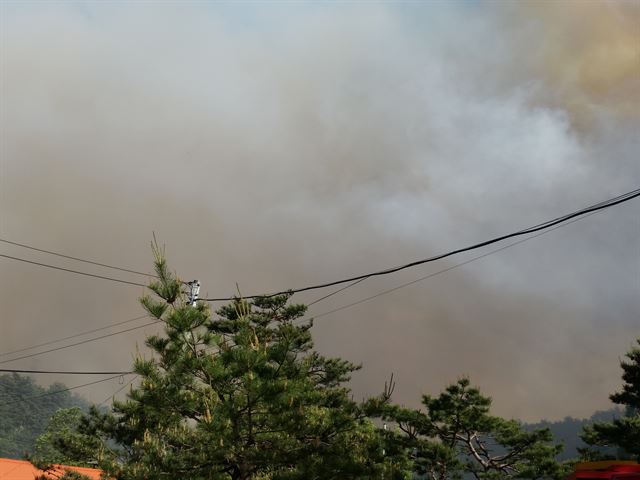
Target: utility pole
point(194, 292)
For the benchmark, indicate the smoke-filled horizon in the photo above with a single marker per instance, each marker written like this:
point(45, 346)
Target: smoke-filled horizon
point(279, 145)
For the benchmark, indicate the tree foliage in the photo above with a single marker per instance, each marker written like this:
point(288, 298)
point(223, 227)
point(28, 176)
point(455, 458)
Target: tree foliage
point(623, 432)
point(60, 431)
point(455, 436)
point(238, 395)
point(241, 394)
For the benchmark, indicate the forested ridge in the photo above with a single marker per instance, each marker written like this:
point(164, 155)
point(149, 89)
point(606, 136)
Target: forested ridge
point(22, 422)
point(567, 431)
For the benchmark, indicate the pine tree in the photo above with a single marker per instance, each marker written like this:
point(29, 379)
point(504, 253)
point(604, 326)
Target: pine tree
point(235, 396)
point(456, 436)
point(623, 432)
point(62, 429)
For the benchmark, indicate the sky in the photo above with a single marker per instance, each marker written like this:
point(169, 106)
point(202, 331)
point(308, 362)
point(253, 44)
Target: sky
point(275, 145)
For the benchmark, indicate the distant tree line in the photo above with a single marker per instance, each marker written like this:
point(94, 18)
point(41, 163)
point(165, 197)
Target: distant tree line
point(568, 430)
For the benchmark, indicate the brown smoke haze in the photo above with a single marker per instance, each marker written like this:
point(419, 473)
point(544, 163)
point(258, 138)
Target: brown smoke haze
point(281, 145)
point(588, 51)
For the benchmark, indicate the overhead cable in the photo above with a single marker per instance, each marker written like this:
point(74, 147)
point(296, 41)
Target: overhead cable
point(343, 307)
point(335, 292)
point(77, 272)
point(62, 372)
point(80, 343)
point(444, 270)
point(542, 226)
point(77, 259)
point(58, 340)
point(112, 396)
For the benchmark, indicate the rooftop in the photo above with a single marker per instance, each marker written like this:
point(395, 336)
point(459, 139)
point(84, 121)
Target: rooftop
point(11, 469)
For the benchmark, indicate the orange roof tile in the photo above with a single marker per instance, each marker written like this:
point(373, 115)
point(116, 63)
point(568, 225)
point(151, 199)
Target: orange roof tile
point(23, 470)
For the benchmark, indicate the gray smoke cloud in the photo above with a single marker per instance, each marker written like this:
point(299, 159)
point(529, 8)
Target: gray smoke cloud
point(286, 145)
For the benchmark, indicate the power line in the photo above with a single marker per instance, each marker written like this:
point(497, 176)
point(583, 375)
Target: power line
point(92, 262)
point(77, 272)
point(58, 340)
point(583, 213)
point(61, 372)
point(542, 226)
point(155, 322)
point(118, 391)
point(444, 270)
point(602, 205)
point(318, 300)
point(451, 268)
point(120, 374)
point(36, 397)
point(358, 302)
point(464, 263)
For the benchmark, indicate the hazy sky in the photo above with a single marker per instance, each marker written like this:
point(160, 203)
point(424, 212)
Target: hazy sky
point(284, 144)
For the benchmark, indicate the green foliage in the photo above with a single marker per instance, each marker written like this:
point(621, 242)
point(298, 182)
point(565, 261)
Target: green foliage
point(23, 418)
point(623, 432)
point(62, 430)
point(237, 396)
point(457, 436)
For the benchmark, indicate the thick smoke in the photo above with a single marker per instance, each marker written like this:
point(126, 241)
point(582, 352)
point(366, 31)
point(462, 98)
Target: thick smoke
point(288, 145)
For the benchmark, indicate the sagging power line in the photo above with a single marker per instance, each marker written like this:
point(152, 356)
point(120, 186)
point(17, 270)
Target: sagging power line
point(69, 270)
point(75, 335)
point(544, 227)
point(77, 259)
point(323, 314)
point(555, 224)
point(62, 372)
point(112, 396)
point(439, 272)
point(536, 228)
point(356, 279)
point(155, 322)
